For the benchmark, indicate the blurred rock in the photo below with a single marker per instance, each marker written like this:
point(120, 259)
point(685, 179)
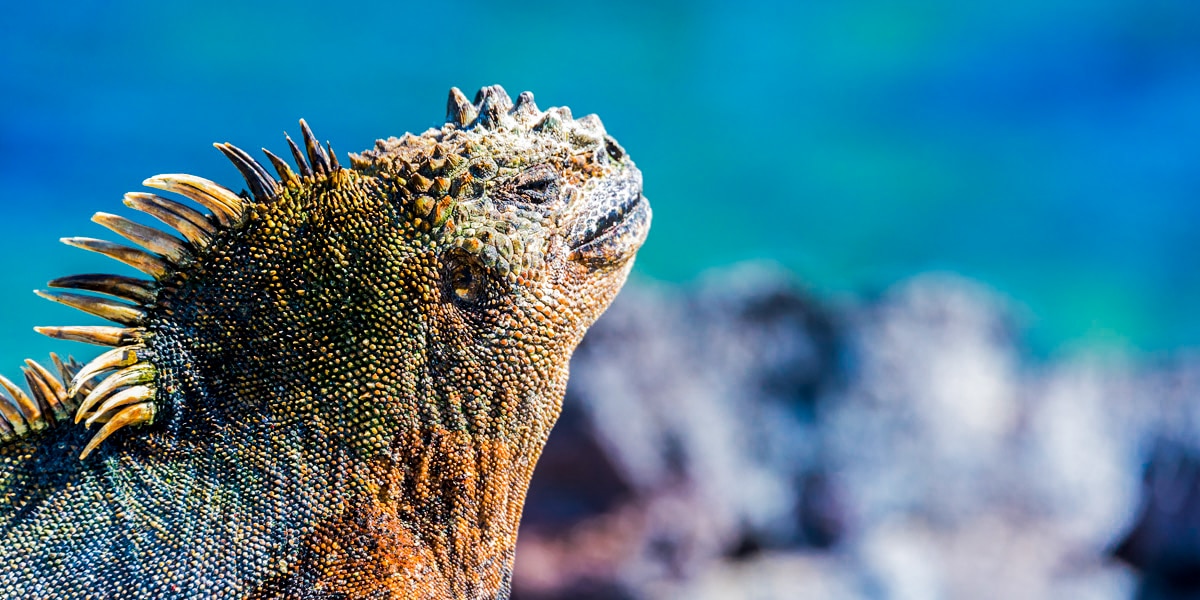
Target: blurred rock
point(971, 474)
point(739, 439)
point(1164, 543)
point(696, 409)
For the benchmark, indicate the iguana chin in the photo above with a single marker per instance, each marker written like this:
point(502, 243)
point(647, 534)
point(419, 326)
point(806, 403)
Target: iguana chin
point(336, 383)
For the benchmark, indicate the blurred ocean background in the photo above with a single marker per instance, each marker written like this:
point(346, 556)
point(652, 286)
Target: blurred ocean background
point(1051, 150)
point(1043, 156)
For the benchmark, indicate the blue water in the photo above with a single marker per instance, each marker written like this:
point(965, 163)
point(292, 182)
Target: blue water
point(1050, 149)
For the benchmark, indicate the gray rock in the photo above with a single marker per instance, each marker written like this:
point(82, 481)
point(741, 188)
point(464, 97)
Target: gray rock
point(740, 439)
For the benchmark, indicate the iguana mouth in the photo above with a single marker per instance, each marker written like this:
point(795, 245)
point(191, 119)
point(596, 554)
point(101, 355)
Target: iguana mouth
point(614, 236)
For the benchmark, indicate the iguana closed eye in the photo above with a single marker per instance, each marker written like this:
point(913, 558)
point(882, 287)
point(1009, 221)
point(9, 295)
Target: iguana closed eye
point(332, 385)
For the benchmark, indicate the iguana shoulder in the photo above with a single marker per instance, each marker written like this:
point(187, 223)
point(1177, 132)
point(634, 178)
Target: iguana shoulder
point(334, 384)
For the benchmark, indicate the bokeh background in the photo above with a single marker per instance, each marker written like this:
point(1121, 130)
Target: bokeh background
point(1042, 157)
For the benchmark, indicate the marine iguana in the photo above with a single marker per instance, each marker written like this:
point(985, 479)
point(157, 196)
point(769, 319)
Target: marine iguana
point(334, 384)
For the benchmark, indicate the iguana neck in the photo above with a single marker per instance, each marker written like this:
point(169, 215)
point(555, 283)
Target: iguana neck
point(416, 476)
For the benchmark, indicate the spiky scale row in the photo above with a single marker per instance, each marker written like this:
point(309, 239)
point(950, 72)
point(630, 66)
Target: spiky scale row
point(226, 206)
point(31, 412)
point(168, 246)
point(192, 224)
point(46, 386)
point(47, 403)
point(113, 359)
point(126, 394)
point(12, 422)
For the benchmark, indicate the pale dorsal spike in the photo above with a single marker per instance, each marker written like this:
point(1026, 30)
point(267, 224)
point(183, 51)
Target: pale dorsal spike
point(135, 374)
point(65, 372)
point(190, 223)
point(316, 154)
point(117, 358)
point(73, 366)
point(118, 312)
point(138, 414)
point(459, 111)
point(138, 259)
point(298, 155)
point(12, 419)
point(167, 246)
point(47, 376)
point(12, 413)
point(45, 384)
point(84, 389)
point(29, 409)
point(270, 186)
point(125, 397)
point(119, 286)
point(493, 103)
point(41, 396)
point(333, 161)
point(262, 185)
point(525, 105)
point(100, 335)
point(226, 206)
point(286, 174)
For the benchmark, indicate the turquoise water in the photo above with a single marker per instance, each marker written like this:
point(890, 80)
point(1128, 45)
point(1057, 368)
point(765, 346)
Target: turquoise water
point(1050, 149)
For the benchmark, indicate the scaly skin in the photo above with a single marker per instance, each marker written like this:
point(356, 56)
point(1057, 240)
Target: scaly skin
point(338, 384)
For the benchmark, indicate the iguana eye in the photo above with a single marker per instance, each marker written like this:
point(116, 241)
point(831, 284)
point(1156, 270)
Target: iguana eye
point(465, 279)
point(537, 184)
point(615, 151)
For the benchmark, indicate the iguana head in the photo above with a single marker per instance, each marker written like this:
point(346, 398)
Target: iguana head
point(406, 323)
